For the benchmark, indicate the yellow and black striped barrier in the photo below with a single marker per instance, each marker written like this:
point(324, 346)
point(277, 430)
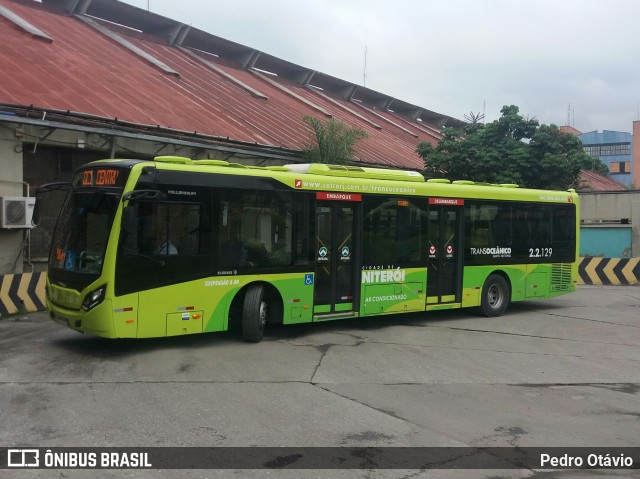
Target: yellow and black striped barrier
point(618, 271)
point(22, 293)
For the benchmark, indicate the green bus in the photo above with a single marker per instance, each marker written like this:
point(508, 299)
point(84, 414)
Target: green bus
point(177, 246)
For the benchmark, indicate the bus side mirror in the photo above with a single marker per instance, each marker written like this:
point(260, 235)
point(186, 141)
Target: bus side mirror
point(137, 195)
point(128, 213)
point(35, 216)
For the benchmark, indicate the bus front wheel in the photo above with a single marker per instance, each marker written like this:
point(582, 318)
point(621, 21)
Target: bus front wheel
point(254, 314)
point(495, 296)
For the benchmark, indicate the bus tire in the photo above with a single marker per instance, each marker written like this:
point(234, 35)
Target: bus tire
point(495, 296)
point(254, 314)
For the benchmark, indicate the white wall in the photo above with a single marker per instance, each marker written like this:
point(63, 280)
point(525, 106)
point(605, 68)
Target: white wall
point(10, 185)
point(612, 206)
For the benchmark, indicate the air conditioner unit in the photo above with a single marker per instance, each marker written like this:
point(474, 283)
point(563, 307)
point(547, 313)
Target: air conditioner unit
point(17, 211)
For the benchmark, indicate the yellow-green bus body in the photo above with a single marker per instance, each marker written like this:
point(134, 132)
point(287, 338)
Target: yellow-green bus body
point(250, 245)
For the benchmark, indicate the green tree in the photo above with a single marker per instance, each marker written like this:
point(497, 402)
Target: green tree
point(512, 149)
point(333, 141)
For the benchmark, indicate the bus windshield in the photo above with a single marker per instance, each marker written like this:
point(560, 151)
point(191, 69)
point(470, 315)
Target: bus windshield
point(80, 239)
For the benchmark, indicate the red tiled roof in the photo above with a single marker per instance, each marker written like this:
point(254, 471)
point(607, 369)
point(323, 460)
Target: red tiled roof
point(592, 181)
point(84, 71)
point(571, 130)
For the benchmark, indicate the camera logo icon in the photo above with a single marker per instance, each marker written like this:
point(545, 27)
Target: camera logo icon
point(23, 458)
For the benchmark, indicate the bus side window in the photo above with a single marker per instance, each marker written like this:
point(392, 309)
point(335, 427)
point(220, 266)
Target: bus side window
point(478, 225)
point(304, 229)
point(488, 224)
point(255, 229)
point(539, 221)
point(480, 236)
point(234, 253)
point(502, 225)
point(521, 231)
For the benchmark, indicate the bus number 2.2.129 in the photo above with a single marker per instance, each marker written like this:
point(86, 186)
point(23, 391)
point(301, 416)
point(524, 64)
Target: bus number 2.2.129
point(540, 252)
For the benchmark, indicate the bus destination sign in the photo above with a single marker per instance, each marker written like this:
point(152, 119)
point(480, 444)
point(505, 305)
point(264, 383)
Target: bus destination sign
point(338, 196)
point(102, 177)
point(446, 201)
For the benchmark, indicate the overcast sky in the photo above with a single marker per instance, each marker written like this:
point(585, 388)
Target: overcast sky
point(452, 56)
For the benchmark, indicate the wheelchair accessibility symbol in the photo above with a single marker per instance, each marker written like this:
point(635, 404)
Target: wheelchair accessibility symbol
point(308, 279)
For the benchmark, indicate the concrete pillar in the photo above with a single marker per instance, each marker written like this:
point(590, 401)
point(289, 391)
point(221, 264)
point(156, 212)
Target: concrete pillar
point(635, 227)
point(635, 205)
point(11, 185)
point(636, 154)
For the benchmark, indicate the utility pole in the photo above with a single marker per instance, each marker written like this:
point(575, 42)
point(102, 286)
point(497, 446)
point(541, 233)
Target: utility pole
point(364, 73)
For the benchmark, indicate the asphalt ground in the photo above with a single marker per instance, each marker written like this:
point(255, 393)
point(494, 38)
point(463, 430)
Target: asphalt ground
point(562, 372)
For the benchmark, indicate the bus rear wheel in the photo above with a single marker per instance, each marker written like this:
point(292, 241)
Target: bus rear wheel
point(495, 296)
point(254, 314)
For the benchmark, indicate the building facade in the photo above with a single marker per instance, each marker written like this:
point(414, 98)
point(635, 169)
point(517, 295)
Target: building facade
point(610, 206)
point(610, 224)
point(620, 151)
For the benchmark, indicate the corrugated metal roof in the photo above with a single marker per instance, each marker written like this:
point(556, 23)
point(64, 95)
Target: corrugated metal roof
point(592, 181)
point(83, 70)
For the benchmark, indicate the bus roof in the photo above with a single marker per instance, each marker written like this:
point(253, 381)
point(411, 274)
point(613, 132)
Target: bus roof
point(357, 179)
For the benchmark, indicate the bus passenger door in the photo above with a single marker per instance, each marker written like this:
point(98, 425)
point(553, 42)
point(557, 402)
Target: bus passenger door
point(444, 271)
point(336, 257)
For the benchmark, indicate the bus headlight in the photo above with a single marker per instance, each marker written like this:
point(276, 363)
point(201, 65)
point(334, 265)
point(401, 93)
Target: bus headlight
point(94, 298)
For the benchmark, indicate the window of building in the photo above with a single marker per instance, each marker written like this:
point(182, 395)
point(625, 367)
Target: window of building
point(608, 150)
point(620, 167)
